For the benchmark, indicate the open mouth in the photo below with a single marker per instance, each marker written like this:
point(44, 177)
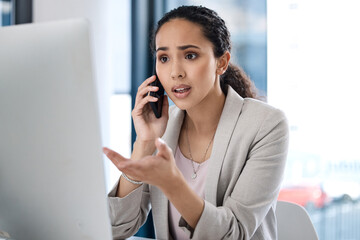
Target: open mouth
point(181, 90)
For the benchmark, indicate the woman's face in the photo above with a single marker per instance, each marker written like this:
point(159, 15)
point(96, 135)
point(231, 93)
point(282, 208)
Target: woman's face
point(185, 63)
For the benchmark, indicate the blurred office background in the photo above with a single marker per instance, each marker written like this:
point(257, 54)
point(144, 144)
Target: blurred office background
point(302, 55)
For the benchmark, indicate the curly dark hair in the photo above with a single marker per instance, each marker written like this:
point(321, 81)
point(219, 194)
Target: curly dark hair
point(215, 30)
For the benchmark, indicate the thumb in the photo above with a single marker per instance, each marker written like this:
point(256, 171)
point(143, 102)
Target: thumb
point(163, 149)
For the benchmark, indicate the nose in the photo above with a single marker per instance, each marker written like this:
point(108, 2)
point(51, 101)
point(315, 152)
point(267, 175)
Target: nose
point(177, 71)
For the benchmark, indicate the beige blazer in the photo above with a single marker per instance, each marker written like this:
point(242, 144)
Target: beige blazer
point(243, 180)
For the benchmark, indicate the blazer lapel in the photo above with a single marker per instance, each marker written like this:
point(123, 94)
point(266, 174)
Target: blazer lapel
point(171, 137)
point(224, 131)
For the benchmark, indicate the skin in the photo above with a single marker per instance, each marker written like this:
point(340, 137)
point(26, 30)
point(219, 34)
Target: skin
point(185, 59)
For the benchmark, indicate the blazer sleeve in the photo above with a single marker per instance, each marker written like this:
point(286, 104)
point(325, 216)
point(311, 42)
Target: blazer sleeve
point(256, 189)
point(129, 213)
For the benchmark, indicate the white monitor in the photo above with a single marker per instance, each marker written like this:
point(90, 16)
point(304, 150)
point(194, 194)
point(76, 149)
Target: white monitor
point(52, 182)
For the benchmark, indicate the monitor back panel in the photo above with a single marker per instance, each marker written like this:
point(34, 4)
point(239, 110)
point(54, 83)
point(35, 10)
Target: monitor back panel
point(52, 182)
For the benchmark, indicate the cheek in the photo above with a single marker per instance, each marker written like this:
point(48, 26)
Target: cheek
point(206, 71)
point(163, 76)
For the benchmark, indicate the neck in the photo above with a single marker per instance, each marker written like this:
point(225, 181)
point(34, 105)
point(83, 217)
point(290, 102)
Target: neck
point(205, 117)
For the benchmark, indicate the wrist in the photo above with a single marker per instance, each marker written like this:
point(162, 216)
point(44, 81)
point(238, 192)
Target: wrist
point(129, 179)
point(143, 148)
point(173, 184)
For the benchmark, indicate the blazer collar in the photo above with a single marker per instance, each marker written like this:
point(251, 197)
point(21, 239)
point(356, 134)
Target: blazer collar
point(176, 118)
point(171, 136)
point(228, 120)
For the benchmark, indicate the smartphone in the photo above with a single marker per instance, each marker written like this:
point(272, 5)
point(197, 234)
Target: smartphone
point(157, 106)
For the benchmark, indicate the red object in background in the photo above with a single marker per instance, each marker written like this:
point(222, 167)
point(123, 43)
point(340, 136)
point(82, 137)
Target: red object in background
point(304, 195)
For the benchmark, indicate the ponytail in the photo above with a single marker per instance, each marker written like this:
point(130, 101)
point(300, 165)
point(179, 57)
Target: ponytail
point(239, 81)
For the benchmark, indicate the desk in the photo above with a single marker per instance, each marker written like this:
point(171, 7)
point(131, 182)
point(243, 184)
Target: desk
point(138, 238)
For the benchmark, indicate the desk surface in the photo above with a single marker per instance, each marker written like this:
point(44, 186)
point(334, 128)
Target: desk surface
point(138, 238)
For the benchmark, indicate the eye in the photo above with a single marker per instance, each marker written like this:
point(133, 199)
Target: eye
point(163, 59)
point(191, 56)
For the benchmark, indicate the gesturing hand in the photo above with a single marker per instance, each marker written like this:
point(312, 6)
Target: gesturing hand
point(158, 170)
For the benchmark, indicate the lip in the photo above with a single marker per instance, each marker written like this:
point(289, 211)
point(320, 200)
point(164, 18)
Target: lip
point(183, 94)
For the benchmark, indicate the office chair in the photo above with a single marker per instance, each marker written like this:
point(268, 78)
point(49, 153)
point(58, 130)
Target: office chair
point(293, 222)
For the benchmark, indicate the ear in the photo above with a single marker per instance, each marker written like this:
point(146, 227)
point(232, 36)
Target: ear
point(223, 63)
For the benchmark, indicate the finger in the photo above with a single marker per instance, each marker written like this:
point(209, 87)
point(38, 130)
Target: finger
point(163, 149)
point(138, 108)
point(118, 160)
point(142, 102)
point(147, 82)
point(144, 92)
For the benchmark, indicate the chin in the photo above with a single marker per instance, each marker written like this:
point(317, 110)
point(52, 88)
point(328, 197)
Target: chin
point(182, 105)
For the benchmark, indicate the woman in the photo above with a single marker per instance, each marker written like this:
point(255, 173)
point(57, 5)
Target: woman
point(217, 170)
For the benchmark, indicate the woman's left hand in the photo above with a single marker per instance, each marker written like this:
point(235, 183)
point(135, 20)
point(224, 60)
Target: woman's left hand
point(159, 170)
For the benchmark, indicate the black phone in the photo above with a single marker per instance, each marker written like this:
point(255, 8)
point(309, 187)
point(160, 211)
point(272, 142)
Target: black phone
point(157, 106)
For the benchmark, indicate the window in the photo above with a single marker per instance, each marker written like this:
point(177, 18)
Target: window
point(119, 70)
point(313, 53)
point(6, 12)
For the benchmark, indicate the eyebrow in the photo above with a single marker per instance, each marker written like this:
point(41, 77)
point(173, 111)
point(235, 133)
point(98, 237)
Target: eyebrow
point(180, 47)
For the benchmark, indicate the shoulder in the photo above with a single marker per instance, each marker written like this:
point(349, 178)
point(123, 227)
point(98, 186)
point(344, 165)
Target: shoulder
point(256, 124)
point(266, 121)
point(257, 109)
point(252, 118)
point(251, 110)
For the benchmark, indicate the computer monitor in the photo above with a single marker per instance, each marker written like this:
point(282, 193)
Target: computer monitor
point(52, 182)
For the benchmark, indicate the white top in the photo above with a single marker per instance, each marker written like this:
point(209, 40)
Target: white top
point(197, 184)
